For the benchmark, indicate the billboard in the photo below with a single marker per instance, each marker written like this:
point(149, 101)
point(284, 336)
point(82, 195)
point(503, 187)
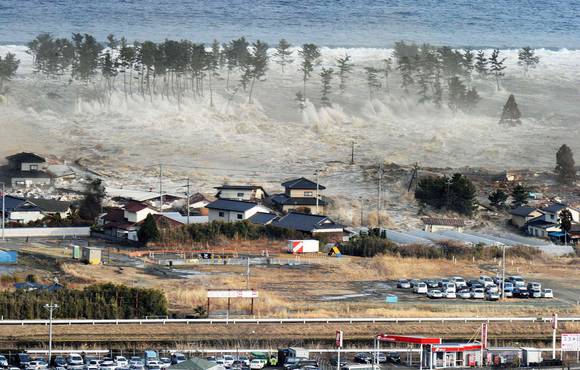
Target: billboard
point(232, 294)
point(570, 342)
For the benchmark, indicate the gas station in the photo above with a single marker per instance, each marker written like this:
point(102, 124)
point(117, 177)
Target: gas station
point(434, 354)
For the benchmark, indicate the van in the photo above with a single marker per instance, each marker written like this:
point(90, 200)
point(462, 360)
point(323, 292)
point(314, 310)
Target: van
point(420, 288)
point(517, 281)
point(449, 287)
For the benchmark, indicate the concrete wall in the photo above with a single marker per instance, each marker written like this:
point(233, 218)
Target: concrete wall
point(24, 232)
point(25, 217)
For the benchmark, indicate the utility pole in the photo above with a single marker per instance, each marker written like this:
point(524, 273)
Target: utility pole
point(187, 206)
point(50, 307)
point(503, 274)
point(248, 274)
point(380, 190)
point(160, 188)
point(317, 186)
point(3, 210)
point(361, 210)
point(352, 153)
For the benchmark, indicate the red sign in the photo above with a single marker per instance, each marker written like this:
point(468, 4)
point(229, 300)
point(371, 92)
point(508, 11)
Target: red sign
point(339, 339)
point(408, 339)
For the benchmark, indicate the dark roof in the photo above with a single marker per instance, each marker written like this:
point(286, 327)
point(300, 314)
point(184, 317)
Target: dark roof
point(239, 187)
point(306, 222)
point(540, 222)
point(575, 228)
point(194, 363)
point(231, 205)
point(26, 157)
point(17, 204)
point(114, 215)
point(262, 218)
point(197, 197)
point(555, 207)
point(135, 206)
point(302, 183)
point(164, 221)
point(50, 205)
point(283, 199)
point(523, 211)
point(457, 222)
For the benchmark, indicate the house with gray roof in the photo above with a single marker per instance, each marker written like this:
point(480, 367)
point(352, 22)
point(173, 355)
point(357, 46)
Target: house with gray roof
point(254, 193)
point(27, 169)
point(262, 218)
point(522, 214)
point(228, 210)
point(315, 225)
point(552, 212)
point(300, 195)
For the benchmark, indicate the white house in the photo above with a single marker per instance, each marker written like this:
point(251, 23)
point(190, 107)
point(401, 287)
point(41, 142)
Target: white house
point(434, 225)
point(521, 215)
point(136, 212)
point(552, 212)
point(241, 192)
point(228, 210)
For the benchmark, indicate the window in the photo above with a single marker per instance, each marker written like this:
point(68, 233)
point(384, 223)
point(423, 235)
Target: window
point(221, 214)
point(241, 195)
point(308, 194)
point(240, 216)
point(33, 167)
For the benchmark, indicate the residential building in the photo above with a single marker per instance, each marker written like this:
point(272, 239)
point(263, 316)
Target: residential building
point(262, 218)
point(52, 207)
point(540, 227)
point(300, 195)
point(254, 193)
point(228, 210)
point(552, 212)
point(433, 225)
point(124, 223)
point(314, 225)
point(521, 215)
point(19, 210)
point(27, 169)
point(136, 212)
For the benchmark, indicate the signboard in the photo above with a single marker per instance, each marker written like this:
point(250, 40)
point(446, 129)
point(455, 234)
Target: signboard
point(339, 339)
point(570, 342)
point(232, 294)
point(484, 335)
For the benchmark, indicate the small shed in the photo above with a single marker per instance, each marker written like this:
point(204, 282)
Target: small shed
point(91, 255)
point(8, 257)
point(196, 363)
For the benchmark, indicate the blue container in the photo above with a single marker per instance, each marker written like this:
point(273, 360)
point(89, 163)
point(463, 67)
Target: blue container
point(391, 298)
point(7, 257)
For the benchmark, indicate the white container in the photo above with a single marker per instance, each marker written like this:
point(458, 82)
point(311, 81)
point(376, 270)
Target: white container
point(303, 246)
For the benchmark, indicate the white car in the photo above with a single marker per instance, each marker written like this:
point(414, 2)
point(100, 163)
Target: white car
point(434, 294)
point(465, 294)
point(75, 360)
point(449, 287)
point(121, 361)
point(517, 281)
point(3, 361)
point(485, 281)
point(459, 282)
point(534, 286)
point(245, 360)
point(93, 364)
point(492, 288)
point(547, 293)
point(229, 360)
point(450, 294)
point(477, 293)
point(108, 364)
point(153, 364)
point(36, 365)
point(420, 288)
point(257, 364)
point(492, 296)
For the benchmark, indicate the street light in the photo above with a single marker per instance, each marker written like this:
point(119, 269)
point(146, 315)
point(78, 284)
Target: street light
point(50, 307)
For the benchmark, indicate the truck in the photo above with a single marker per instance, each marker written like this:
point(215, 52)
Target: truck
point(298, 352)
point(303, 246)
point(531, 356)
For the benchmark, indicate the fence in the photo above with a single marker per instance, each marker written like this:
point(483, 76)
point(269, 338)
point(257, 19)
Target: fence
point(33, 232)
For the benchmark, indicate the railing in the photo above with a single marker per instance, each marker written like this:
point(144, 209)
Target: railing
point(350, 320)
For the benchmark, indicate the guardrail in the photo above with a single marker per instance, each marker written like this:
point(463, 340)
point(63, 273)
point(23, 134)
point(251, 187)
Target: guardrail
point(350, 320)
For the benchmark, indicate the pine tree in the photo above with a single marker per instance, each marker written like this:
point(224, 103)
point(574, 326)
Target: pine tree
point(283, 54)
point(468, 66)
point(148, 232)
point(345, 67)
point(498, 198)
point(566, 220)
point(457, 92)
point(481, 64)
point(406, 70)
point(497, 66)
point(310, 55)
point(527, 59)
point(326, 78)
point(387, 69)
point(8, 67)
point(511, 113)
point(373, 81)
point(258, 63)
point(520, 195)
point(565, 165)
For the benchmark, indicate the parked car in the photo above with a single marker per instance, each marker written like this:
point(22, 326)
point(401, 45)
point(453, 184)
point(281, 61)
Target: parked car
point(492, 296)
point(394, 357)
point(58, 361)
point(464, 293)
point(420, 288)
point(492, 288)
point(403, 284)
point(22, 359)
point(381, 357)
point(363, 358)
point(3, 361)
point(485, 281)
point(177, 358)
point(521, 293)
point(449, 294)
point(164, 362)
point(109, 364)
point(291, 361)
point(245, 360)
point(478, 293)
point(459, 282)
point(474, 284)
point(121, 361)
point(432, 284)
point(220, 361)
point(548, 293)
point(36, 365)
point(443, 282)
point(257, 364)
point(136, 360)
point(74, 360)
point(517, 281)
point(414, 282)
point(435, 294)
point(93, 364)
point(449, 287)
point(509, 293)
point(534, 286)
point(535, 293)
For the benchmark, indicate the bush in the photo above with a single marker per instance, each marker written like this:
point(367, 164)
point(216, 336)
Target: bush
point(244, 230)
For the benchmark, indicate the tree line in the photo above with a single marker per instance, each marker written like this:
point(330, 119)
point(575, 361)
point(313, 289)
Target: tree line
point(173, 69)
point(102, 301)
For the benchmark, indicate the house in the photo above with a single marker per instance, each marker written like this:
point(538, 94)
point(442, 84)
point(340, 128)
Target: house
point(52, 207)
point(136, 212)
point(315, 225)
point(540, 227)
point(197, 204)
point(150, 198)
point(433, 225)
point(262, 218)
point(574, 233)
point(254, 193)
point(301, 195)
point(20, 210)
point(552, 212)
point(193, 219)
point(228, 210)
point(522, 214)
point(27, 169)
